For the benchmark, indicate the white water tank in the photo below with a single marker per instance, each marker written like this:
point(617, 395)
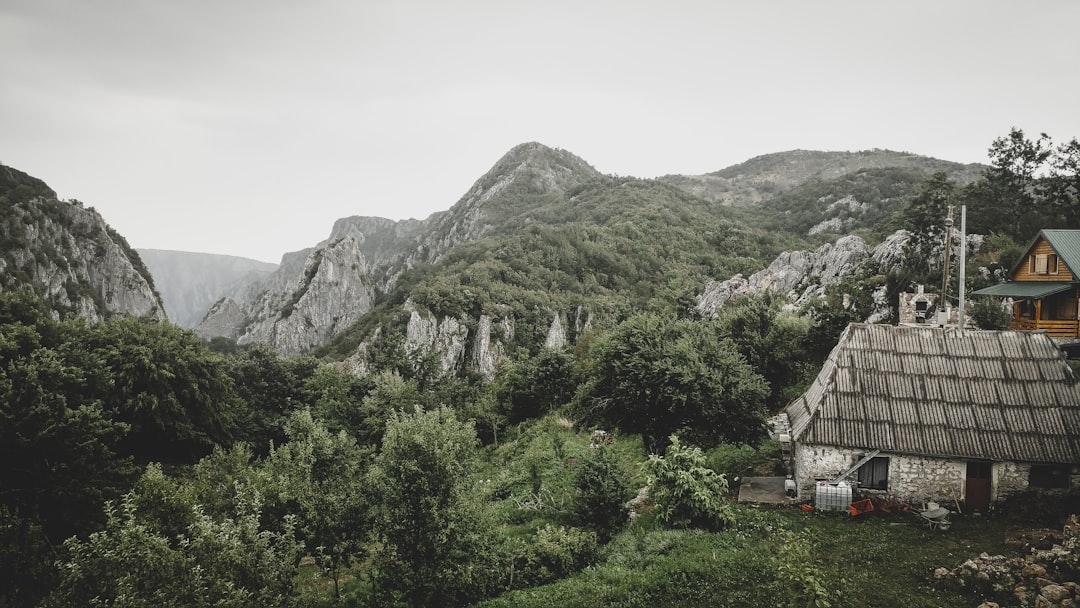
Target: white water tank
point(832, 496)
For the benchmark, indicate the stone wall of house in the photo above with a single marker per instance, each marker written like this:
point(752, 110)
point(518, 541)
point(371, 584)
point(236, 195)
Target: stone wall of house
point(913, 479)
point(922, 479)
point(1008, 478)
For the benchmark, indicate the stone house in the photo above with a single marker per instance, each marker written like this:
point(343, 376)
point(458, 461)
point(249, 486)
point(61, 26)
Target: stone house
point(921, 413)
point(1045, 285)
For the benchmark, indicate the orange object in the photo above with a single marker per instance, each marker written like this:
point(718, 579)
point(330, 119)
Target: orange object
point(861, 506)
point(807, 507)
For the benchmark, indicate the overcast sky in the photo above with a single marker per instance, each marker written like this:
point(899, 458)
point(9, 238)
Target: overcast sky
point(246, 127)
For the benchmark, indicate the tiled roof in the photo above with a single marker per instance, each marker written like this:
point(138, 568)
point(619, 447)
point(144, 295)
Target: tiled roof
point(996, 395)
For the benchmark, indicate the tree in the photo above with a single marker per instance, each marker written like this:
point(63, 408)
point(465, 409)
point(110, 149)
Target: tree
point(433, 544)
point(924, 217)
point(1062, 187)
point(1008, 199)
point(389, 392)
point(850, 301)
point(59, 456)
point(987, 313)
point(657, 376)
point(537, 385)
point(772, 340)
point(167, 385)
point(270, 388)
point(336, 396)
point(320, 478)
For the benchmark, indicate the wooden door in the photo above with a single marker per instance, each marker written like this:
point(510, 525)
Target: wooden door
point(977, 488)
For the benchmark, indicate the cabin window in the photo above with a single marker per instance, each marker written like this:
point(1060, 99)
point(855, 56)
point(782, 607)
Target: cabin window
point(875, 473)
point(1049, 476)
point(1044, 263)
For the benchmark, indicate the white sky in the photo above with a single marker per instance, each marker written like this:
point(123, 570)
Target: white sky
point(246, 127)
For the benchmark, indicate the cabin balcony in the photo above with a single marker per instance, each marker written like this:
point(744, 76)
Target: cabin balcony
point(1055, 328)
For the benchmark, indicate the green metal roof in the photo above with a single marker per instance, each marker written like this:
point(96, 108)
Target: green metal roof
point(1066, 243)
point(1024, 289)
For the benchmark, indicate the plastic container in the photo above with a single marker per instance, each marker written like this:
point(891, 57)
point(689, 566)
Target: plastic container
point(832, 496)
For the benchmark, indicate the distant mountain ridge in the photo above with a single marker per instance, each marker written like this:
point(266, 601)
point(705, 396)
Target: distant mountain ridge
point(767, 175)
point(189, 283)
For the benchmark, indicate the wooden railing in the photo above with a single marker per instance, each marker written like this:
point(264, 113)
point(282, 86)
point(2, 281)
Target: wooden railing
point(1054, 327)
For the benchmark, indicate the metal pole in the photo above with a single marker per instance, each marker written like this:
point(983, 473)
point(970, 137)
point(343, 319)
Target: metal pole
point(963, 256)
point(944, 314)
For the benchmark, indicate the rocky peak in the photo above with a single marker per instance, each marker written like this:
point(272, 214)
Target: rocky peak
point(529, 169)
point(381, 240)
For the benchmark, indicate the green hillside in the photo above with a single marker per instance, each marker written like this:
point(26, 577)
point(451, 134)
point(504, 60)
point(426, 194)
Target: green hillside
point(612, 246)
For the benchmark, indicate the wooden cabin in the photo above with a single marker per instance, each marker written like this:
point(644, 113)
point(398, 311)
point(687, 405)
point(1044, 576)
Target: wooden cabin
point(1045, 285)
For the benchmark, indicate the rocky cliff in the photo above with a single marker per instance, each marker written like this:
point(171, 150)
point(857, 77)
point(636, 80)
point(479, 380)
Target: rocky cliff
point(69, 255)
point(314, 294)
point(801, 275)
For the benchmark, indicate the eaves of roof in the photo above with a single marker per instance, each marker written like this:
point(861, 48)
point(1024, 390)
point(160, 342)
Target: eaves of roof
point(1024, 289)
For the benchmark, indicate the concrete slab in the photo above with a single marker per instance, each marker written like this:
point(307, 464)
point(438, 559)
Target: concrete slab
point(763, 489)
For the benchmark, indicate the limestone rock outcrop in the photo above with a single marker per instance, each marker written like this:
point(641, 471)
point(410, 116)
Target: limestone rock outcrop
point(802, 275)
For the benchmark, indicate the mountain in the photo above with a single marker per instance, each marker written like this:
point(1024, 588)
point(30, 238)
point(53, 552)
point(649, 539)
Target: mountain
point(189, 283)
point(67, 254)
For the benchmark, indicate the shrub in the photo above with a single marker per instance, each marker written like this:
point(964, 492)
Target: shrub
point(557, 551)
point(687, 492)
point(602, 492)
point(987, 313)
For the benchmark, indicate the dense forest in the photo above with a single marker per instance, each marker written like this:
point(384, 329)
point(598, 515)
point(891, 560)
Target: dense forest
point(143, 466)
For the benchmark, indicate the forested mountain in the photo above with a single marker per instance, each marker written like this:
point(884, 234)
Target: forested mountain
point(68, 255)
point(541, 247)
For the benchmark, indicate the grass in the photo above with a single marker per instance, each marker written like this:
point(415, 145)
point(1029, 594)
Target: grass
point(881, 561)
